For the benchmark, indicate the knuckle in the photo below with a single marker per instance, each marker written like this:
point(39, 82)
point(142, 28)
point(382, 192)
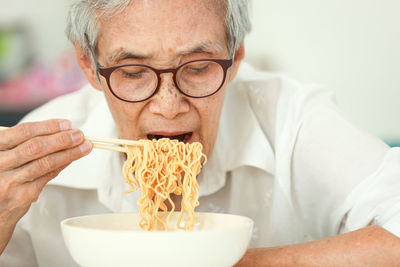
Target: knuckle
point(26, 130)
point(44, 164)
point(52, 175)
point(46, 178)
point(64, 139)
point(23, 175)
point(34, 147)
point(6, 139)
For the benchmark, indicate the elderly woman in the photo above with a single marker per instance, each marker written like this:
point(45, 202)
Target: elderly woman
point(321, 191)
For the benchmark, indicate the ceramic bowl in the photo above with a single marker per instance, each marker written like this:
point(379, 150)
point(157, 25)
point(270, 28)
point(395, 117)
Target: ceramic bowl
point(117, 240)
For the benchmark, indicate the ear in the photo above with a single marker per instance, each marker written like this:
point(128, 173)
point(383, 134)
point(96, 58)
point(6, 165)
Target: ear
point(239, 56)
point(87, 67)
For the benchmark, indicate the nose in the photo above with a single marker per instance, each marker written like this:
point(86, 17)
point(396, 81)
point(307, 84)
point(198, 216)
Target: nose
point(168, 101)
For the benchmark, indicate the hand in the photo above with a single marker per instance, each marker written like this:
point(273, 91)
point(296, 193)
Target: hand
point(31, 154)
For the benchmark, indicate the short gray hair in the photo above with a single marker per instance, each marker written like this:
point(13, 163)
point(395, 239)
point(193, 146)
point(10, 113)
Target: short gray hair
point(83, 19)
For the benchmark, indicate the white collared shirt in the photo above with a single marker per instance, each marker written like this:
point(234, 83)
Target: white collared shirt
point(284, 156)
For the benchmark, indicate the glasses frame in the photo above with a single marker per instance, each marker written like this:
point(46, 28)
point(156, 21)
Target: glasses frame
point(106, 73)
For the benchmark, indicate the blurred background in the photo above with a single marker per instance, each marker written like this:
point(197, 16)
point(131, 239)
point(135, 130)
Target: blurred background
point(350, 47)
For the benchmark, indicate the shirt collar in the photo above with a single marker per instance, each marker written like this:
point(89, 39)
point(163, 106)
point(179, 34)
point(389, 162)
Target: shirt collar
point(240, 141)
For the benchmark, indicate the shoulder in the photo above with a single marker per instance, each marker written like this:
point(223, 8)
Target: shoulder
point(265, 87)
point(75, 106)
point(278, 100)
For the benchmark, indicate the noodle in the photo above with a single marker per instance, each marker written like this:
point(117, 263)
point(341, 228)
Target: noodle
point(161, 168)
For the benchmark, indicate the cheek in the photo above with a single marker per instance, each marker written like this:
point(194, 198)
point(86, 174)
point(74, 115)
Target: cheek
point(125, 116)
point(210, 117)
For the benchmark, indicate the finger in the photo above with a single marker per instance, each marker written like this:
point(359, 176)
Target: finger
point(19, 134)
point(40, 167)
point(39, 147)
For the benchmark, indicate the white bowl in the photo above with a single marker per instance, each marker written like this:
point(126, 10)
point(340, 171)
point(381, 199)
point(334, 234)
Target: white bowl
point(116, 240)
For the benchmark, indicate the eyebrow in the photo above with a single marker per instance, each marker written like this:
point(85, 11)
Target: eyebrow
point(205, 47)
point(122, 54)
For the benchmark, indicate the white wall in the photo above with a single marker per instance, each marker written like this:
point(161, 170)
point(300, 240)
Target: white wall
point(46, 20)
point(351, 47)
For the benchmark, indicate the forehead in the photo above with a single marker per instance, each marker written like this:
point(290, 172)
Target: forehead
point(164, 26)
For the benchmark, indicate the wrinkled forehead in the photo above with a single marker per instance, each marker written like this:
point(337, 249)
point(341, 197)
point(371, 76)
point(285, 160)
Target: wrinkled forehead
point(164, 26)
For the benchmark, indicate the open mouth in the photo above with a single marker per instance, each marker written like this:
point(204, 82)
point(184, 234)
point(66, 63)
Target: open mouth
point(181, 137)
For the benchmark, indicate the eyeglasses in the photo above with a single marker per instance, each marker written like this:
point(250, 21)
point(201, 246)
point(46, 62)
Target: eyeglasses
point(137, 82)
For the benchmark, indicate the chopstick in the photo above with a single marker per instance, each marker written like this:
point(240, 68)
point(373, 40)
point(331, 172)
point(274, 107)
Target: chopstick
point(106, 143)
point(111, 143)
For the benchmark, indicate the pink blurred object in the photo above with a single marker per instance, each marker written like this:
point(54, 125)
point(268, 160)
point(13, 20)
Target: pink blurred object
point(41, 83)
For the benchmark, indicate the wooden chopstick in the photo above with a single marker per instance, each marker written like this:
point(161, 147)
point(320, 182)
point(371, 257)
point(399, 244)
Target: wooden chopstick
point(114, 148)
point(106, 143)
point(113, 141)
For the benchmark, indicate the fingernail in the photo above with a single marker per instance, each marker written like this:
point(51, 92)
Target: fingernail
point(85, 147)
point(76, 136)
point(65, 125)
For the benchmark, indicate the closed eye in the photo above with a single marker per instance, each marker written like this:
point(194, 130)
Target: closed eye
point(199, 69)
point(135, 75)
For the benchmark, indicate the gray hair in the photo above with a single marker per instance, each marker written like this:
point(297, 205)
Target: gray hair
point(83, 19)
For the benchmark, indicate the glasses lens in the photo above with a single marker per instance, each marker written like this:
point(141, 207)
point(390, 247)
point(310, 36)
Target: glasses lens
point(133, 83)
point(200, 78)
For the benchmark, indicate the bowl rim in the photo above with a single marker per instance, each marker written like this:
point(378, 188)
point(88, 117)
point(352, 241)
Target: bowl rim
point(248, 223)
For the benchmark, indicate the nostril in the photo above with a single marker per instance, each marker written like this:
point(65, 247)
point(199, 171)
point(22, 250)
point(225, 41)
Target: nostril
point(169, 106)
